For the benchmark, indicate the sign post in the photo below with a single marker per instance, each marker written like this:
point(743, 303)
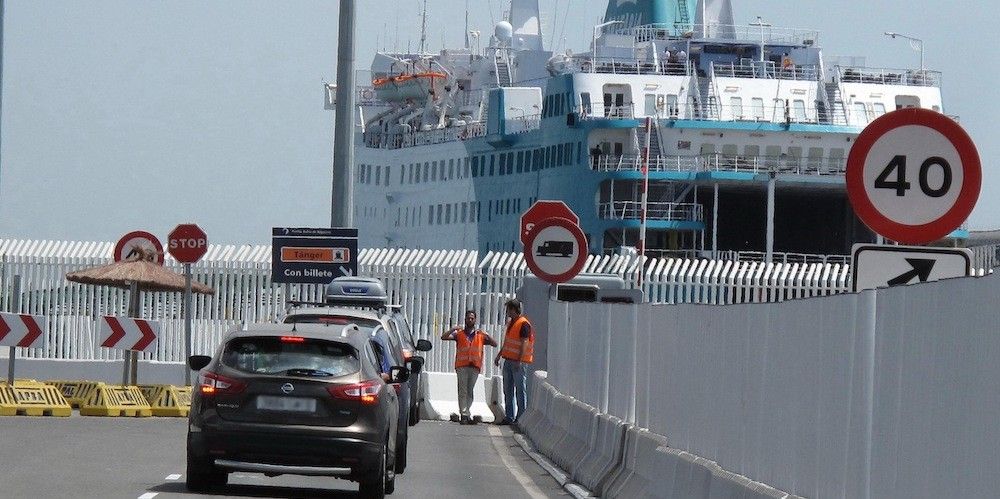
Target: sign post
point(187, 243)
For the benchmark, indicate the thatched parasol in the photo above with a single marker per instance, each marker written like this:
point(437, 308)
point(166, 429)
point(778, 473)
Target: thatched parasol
point(139, 272)
point(148, 275)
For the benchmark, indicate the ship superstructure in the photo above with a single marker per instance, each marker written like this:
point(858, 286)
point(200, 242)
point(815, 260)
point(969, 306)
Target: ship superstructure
point(747, 130)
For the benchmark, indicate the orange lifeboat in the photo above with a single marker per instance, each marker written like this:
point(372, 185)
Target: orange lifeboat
point(410, 86)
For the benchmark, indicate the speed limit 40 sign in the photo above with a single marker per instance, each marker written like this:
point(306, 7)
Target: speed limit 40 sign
point(913, 175)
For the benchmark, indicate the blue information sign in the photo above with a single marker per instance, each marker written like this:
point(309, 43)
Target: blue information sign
point(313, 256)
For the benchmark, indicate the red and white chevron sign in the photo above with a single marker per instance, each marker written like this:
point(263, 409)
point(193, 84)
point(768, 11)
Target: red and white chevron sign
point(21, 330)
point(126, 333)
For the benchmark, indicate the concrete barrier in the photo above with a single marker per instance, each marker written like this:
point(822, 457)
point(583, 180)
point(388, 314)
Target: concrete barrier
point(533, 416)
point(604, 452)
point(581, 422)
point(441, 396)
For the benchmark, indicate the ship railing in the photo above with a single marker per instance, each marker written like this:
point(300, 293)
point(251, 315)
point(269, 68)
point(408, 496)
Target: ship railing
point(384, 140)
point(523, 124)
point(767, 70)
point(742, 33)
point(783, 111)
point(782, 164)
point(760, 256)
point(886, 76)
point(632, 210)
point(625, 66)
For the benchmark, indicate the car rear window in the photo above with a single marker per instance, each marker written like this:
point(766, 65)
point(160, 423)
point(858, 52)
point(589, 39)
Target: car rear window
point(293, 356)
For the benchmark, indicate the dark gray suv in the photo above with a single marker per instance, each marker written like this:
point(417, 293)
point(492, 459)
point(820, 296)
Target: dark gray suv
point(295, 399)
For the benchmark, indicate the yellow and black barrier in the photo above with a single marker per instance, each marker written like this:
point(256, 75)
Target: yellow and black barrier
point(75, 392)
point(31, 398)
point(168, 400)
point(114, 400)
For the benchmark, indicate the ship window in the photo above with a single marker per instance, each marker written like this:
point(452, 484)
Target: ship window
point(619, 149)
point(559, 155)
point(503, 163)
point(772, 152)
point(520, 161)
point(736, 106)
point(799, 106)
point(440, 212)
point(441, 170)
point(672, 106)
point(466, 169)
point(510, 163)
point(434, 171)
point(880, 109)
point(757, 108)
point(402, 174)
point(579, 152)
point(585, 101)
point(451, 169)
point(860, 113)
point(751, 151)
point(430, 215)
point(560, 105)
point(518, 208)
point(388, 169)
point(427, 172)
point(465, 212)
point(378, 175)
point(780, 110)
point(650, 104)
point(493, 160)
point(447, 213)
point(729, 150)
point(475, 166)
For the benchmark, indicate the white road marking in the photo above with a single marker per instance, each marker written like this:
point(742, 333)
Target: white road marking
point(148, 495)
point(175, 476)
point(512, 465)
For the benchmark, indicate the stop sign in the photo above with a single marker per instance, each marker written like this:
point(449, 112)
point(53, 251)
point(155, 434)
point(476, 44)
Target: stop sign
point(187, 243)
point(541, 210)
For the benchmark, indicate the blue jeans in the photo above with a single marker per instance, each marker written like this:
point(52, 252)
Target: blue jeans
point(514, 386)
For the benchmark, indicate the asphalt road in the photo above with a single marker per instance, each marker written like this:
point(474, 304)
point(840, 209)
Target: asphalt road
point(144, 458)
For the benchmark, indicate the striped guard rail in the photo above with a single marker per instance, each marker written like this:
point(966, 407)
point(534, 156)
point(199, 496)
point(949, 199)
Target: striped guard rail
point(32, 398)
point(168, 400)
point(115, 400)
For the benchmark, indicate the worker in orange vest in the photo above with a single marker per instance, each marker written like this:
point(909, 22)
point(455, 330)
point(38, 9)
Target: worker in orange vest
point(468, 360)
point(518, 353)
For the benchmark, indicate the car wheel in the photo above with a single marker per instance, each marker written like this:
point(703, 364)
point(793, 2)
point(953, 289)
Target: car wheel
point(374, 487)
point(202, 476)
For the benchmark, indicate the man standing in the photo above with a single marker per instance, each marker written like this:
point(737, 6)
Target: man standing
point(468, 360)
point(518, 354)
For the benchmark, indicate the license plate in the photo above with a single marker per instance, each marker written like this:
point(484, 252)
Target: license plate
point(291, 404)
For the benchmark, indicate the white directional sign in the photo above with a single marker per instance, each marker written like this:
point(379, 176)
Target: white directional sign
point(126, 333)
point(913, 175)
point(21, 330)
point(880, 266)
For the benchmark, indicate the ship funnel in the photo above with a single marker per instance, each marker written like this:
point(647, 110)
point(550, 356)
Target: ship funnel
point(634, 13)
point(527, 29)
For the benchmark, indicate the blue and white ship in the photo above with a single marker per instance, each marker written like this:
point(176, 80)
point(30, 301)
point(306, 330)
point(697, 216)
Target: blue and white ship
point(748, 130)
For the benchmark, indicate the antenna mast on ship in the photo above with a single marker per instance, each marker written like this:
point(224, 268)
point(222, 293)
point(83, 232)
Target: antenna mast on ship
point(423, 28)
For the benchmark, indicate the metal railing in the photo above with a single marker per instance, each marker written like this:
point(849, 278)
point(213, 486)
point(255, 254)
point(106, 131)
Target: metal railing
point(767, 70)
point(755, 34)
point(632, 210)
point(722, 162)
point(885, 76)
point(625, 66)
point(385, 140)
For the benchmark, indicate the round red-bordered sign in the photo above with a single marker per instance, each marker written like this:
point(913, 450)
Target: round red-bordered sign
point(889, 172)
point(137, 239)
point(568, 242)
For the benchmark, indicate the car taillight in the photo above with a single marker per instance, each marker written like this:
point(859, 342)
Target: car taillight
point(292, 339)
point(210, 383)
point(366, 391)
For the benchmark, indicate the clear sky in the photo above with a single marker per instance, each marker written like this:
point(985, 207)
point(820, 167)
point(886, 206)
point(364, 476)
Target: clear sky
point(141, 114)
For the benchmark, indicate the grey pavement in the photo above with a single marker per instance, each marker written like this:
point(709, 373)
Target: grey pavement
point(144, 458)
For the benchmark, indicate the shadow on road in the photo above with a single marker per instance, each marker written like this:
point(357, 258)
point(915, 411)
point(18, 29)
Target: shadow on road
point(241, 490)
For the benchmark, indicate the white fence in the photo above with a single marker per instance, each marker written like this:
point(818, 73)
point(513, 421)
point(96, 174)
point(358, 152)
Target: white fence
point(434, 287)
point(878, 394)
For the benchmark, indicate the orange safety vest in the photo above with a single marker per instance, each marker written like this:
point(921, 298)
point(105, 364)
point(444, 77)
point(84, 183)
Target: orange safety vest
point(512, 342)
point(469, 353)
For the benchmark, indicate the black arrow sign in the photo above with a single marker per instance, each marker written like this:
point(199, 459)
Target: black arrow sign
point(921, 269)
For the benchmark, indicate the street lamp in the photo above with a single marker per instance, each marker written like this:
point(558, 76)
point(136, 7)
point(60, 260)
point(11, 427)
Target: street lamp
point(920, 43)
point(597, 29)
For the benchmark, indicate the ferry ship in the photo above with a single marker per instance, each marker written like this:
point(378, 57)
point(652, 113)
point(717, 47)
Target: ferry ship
point(737, 135)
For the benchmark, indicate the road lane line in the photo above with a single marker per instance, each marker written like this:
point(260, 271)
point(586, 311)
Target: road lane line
point(512, 465)
point(174, 477)
point(148, 495)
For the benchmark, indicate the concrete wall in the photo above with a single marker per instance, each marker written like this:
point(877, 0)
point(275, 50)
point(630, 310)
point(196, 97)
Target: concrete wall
point(888, 393)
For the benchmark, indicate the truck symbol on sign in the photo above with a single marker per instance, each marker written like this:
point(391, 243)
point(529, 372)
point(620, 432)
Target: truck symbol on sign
point(561, 248)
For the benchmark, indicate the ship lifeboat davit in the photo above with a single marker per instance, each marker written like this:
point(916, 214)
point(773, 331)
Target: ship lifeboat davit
point(412, 86)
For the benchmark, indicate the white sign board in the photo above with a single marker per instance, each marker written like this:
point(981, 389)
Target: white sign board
point(880, 266)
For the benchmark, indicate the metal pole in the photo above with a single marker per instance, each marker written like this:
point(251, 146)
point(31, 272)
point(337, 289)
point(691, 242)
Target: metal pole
point(342, 204)
point(770, 219)
point(16, 308)
point(187, 323)
point(715, 222)
point(645, 199)
point(132, 358)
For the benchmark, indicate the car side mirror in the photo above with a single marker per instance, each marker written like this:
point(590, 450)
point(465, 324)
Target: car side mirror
point(416, 364)
point(198, 362)
point(423, 345)
point(399, 374)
